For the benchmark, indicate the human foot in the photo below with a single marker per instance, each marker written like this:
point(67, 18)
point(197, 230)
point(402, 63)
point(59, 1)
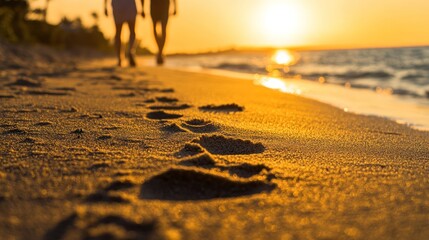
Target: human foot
point(160, 59)
point(131, 60)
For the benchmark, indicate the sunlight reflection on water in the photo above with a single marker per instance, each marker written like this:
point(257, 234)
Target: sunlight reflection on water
point(281, 60)
point(284, 57)
point(278, 84)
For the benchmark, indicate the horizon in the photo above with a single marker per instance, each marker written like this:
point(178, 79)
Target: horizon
point(291, 48)
point(309, 24)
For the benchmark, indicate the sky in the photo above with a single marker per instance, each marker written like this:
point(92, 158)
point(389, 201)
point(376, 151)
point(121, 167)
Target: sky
point(203, 25)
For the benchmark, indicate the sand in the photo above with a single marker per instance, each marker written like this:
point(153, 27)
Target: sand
point(94, 152)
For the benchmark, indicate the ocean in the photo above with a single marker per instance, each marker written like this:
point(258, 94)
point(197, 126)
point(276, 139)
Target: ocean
point(391, 83)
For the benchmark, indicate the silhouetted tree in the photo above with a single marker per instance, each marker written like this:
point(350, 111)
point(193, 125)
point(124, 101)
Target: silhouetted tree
point(12, 19)
point(16, 27)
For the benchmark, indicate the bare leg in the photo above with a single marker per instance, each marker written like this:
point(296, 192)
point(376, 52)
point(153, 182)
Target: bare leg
point(156, 35)
point(130, 52)
point(163, 37)
point(160, 37)
point(118, 43)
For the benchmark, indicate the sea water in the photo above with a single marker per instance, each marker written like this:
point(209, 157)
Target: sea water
point(391, 83)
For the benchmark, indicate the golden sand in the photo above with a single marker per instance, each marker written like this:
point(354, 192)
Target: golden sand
point(150, 153)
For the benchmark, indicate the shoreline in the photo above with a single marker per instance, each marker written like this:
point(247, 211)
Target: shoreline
point(166, 154)
point(337, 96)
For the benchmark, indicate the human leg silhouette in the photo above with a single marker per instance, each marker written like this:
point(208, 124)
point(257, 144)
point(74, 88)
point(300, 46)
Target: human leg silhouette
point(118, 43)
point(130, 51)
point(160, 33)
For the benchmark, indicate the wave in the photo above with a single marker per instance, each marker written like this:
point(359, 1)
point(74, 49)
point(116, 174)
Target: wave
point(394, 91)
point(350, 75)
point(417, 79)
point(241, 67)
point(360, 75)
point(348, 78)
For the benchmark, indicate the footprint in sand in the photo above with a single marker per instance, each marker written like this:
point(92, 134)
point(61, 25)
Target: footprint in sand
point(8, 125)
point(61, 229)
point(120, 185)
point(123, 114)
point(78, 131)
point(112, 192)
point(218, 144)
point(170, 107)
point(69, 110)
point(225, 108)
point(185, 184)
point(166, 99)
point(173, 128)
point(94, 226)
point(203, 160)
point(166, 103)
point(126, 87)
point(28, 110)
point(111, 128)
point(15, 131)
point(164, 90)
point(105, 137)
point(199, 126)
point(91, 116)
point(190, 149)
point(127, 95)
point(115, 77)
point(245, 170)
point(44, 123)
point(98, 165)
point(156, 90)
point(46, 93)
point(26, 82)
point(109, 197)
point(134, 230)
point(70, 89)
point(197, 154)
point(31, 140)
point(160, 115)
point(6, 96)
point(151, 100)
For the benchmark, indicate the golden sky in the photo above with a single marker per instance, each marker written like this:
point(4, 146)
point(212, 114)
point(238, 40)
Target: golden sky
point(218, 24)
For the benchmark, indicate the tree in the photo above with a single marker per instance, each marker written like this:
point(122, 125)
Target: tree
point(12, 19)
point(16, 5)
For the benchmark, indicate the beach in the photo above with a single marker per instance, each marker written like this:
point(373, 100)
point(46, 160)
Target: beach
point(90, 151)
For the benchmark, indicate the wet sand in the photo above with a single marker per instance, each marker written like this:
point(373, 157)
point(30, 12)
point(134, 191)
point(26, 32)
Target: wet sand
point(94, 152)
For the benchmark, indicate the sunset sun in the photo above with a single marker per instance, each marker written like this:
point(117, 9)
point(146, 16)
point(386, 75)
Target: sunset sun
point(281, 23)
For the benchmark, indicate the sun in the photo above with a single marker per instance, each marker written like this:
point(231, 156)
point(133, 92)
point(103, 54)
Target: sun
point(282, 22)
point(283, 57)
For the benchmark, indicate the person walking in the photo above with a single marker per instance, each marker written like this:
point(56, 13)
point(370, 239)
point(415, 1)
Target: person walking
point(124, 11)
point(160, 12)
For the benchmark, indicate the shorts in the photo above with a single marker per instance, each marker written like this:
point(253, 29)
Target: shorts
point(124, 11)
point(159, 10)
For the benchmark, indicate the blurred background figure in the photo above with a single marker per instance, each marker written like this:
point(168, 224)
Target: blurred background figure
point(160, 11)
point(124, 11)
